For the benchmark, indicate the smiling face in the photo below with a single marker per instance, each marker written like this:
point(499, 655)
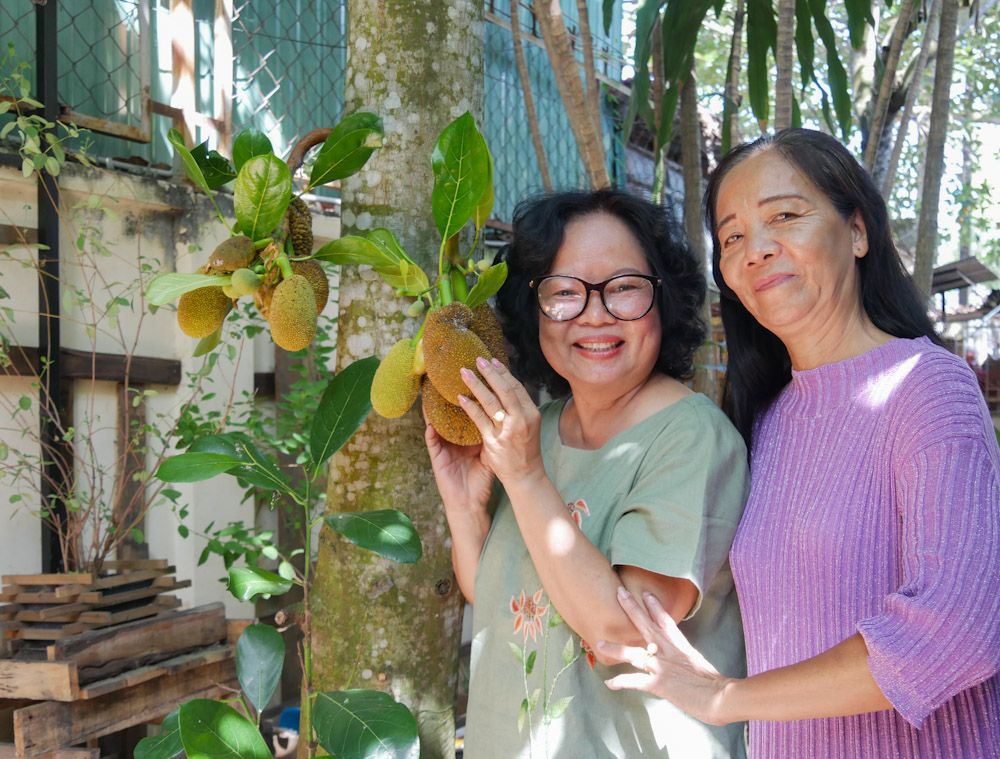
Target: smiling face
point(786, 251)
point(596, 352)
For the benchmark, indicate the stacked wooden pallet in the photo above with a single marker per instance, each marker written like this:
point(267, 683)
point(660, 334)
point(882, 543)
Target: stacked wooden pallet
point(52, 607)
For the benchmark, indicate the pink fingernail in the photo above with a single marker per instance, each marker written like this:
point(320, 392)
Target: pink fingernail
point(622, 593)
point(462, 399)
point(497, 364)
point(482, 363)
point(466, 374)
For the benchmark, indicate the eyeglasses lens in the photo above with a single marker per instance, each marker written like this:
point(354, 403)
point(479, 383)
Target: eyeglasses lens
point(625, 297)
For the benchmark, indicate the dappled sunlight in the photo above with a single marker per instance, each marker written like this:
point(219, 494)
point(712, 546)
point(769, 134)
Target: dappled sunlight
point(885, 384)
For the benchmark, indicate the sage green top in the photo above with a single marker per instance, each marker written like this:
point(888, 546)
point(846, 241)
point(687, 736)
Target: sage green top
point(665, 495)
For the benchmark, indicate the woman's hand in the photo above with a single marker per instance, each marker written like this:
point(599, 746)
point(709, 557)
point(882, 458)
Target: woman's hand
point(508, 421)
point(672, 668)
point(462, 480)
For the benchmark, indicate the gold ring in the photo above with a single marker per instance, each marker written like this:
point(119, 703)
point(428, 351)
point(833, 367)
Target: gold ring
point(499, 416)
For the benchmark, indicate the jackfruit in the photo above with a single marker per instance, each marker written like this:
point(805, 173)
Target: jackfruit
point(312, 271)
point(293, 313)
point(449, 345)
point(450, 422)
point(395, 387)
point(235, 253)
point(300, 227)
point(487, 327)
point(262, 298)
point(200, 312)
point(244, 282)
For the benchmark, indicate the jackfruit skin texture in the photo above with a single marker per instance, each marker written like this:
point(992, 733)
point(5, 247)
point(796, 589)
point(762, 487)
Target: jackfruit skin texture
point(201, 311)
point(312, 271)
point(487, 327)
point(232, 254)
point(394, 387)
point(449, 421)
point(244, 282)
point(300, 227)
point(449, 345)
point(293, 314)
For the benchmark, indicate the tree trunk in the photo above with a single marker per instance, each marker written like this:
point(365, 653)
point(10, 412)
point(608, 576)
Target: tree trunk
point(378, 624)
point(586, 126)
point(589, 69)
point(966, 210)
point(784, 54)
point(912, 91)
point(927, 229)
point(694, 227)
point(862, 72)
point(529, 98)
point(888, 80)
point(731, 127)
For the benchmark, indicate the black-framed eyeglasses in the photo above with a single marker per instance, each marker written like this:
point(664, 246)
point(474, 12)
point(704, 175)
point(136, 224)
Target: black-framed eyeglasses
point(626, 297)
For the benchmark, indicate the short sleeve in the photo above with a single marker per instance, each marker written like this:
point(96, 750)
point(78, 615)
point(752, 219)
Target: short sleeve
point(681, 514)
point(939, 634)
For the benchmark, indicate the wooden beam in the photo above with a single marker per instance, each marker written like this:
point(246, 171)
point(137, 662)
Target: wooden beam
point(98, 366)
point(50, 725)
point(39, 680)
point(17, 235)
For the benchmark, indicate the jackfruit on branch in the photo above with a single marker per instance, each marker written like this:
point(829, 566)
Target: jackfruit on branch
point(244, 282)
point(292, 313)
point(486, 325)
point(449, 421)
point(300, 227)
point(200, 312)
point(313, 271)
point(395, 386)
point(449, 345)
point(232, 254)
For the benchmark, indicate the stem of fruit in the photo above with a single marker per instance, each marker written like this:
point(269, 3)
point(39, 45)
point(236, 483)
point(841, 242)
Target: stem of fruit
point(285, 265)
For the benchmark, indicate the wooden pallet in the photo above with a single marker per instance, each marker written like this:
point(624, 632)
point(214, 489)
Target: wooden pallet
point(50, 607)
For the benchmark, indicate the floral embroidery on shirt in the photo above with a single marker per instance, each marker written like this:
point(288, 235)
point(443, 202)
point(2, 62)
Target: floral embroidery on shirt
point(588, 652)
point(576, 508)
point(528, 614)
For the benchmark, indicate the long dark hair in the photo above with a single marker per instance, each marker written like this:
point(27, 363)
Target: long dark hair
point(759, 365)
point(539, 228)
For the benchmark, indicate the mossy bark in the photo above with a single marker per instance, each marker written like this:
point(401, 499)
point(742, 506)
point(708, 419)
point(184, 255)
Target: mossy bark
point(377, 624)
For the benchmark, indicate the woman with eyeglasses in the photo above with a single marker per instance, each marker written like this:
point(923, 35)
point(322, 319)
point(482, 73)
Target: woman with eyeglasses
point(627, 478)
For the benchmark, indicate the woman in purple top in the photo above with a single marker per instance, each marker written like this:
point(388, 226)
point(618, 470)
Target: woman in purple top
point(867, 561)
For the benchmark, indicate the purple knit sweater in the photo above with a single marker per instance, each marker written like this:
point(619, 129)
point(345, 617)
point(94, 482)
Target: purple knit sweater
point(875, 508)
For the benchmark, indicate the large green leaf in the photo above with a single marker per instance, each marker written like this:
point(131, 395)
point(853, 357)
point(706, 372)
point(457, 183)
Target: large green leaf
point(214, 166)
point(460, 161)
point(166, 745)
point(211, 730)
point(252, 465)
point(191, 167)
point(859, 13)
point(805, 46)
point(836, 75)
point(168, 287)
point(609, 15)
point(387, 532)
point(248, 144)
point(485, 206)
point(210, 343)
point(645, 21)
point(260, 655)
point(762, 36)
point(365, 724)
point(245, 583)
point(347, 148)
point(261, 194)
point(352, 249)
point(195, 467)
point(344, 406)
point(491, 281)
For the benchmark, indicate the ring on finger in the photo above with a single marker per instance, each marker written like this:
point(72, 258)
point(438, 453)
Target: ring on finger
point(499, 416)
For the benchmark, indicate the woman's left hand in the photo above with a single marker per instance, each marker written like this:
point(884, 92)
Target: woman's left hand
point(508, 421)
point(672, 668)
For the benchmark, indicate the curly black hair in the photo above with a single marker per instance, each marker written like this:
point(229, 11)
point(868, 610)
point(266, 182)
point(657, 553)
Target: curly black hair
point(539, 228)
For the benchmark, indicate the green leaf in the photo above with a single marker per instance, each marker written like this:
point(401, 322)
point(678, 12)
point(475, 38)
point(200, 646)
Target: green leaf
point(491, 281)
point(460, 161)
point(645, 21)
point(194, 467)
point(260, 655)
point(518, 653)
point(168, 287)
point(252, 465)
point(286, 570)
point(404, 276)
point(364, 724)
point(347, 148)
point(559, 707)
point(805, 46)
point(569, 651)
point(24, 402)
point(352, 249)
point(261, 194)
point(836, 75)
point(214, 166)
point(859, 13)
point(191, 167)
point(210, 343)
point(609, 15)
point(485, 206)
point(166, 745)
point(249, 144)
point(245, 583)
point(211, 730)
point(522, 715)
point(530, 664)
point(344, 406)
point(387, 532)
point(762, 36)
point(533, 701)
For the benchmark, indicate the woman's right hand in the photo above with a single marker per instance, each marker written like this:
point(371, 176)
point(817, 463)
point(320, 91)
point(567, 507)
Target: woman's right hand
point(463, 481)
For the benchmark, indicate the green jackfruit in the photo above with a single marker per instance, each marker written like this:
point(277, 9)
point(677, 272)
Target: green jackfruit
point(487, 327)
point(300, 227)
point(293, 313)
point(201, 311)
point(449, 421)
point(312, 271)
point(395, 386)
point(235, 253)
point(244, 282)
point(449, 345)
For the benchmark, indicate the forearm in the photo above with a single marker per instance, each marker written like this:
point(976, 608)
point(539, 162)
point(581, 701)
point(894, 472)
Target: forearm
point(835, 683)
point(469, 528)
